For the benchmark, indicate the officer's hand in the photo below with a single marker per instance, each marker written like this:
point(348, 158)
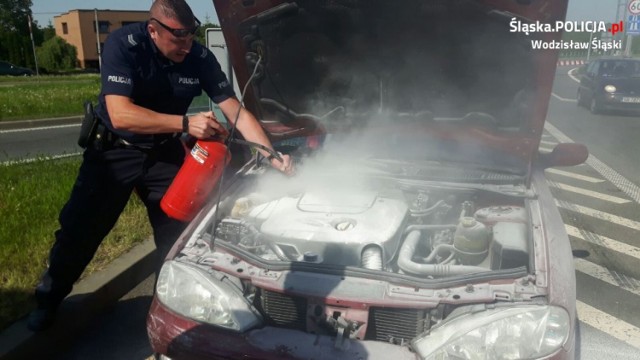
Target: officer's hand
point(204, 125)
point(286, 165)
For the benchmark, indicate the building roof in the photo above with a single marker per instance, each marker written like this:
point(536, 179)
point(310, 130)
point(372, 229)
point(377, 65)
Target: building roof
point(102, 11)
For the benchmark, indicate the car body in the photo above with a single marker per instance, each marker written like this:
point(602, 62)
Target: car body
point(419, 224)
point(610, 83)
point(7, 68)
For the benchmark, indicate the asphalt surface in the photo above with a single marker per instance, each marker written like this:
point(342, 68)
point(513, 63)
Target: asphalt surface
point(88, 300)
point(22, 124)
point(119, 332)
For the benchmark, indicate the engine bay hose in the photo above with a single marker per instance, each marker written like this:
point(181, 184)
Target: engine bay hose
point(406, 263)
point(372, 258)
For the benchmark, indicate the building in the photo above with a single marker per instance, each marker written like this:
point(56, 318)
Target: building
point(78, 28)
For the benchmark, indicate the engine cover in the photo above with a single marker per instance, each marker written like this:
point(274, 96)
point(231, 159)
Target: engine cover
point(333, 227)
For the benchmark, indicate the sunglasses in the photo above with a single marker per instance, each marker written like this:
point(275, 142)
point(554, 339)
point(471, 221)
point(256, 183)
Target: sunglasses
point(180, 33)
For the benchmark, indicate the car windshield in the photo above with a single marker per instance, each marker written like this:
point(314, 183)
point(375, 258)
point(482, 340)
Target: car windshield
point(620, 68)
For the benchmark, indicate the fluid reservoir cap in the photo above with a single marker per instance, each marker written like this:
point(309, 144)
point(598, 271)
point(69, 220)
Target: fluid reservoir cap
point(468, 221)
point(241, 207)
point(310, 256)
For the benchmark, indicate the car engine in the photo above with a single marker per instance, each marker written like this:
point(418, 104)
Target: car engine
point(403, 229)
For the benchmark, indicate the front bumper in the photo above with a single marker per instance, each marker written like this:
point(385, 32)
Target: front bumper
point(619, 102)
point(178, 337)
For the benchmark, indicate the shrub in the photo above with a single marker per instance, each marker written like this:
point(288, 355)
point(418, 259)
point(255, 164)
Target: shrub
point(56, 54)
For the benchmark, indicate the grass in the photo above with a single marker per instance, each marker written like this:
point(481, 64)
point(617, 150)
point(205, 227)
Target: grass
point(31, 196)
point(55, 96)
point(46, 96)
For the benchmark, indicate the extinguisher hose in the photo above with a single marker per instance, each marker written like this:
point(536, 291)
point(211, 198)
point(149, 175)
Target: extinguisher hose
point(272, 152)
point(232, 138)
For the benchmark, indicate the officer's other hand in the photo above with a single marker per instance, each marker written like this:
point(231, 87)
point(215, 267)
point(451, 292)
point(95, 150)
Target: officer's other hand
point(286, 165)
point(204, 125)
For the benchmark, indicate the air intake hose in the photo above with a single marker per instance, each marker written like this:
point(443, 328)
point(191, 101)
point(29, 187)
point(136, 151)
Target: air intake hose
point(406, 263)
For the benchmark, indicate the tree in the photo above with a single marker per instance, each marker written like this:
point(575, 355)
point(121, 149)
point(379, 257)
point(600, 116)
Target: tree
point(56, 54)
point(13, 16)
point(47, 33)
point(15, 44)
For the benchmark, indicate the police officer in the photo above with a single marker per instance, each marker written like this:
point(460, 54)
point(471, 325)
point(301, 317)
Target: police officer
point(150, 73)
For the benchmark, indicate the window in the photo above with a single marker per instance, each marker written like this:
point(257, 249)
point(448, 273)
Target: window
point(65, 29)
point(103, 26)
point(124, 23)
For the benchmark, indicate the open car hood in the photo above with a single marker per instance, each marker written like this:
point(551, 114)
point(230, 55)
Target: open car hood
point(449, 74)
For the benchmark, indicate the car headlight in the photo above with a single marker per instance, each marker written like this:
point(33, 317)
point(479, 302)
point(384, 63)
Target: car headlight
point(520, 332)
point(192, 292)
point(610, 88)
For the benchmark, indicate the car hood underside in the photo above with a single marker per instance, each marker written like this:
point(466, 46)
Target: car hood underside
point(453, 69)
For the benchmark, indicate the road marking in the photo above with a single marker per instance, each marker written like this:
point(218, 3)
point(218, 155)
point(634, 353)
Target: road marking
point(563, 99)
point(611, 277)
point(44, 158)
point(599, 214)
point(587, 314)
point(611, 325)
point(548, 142)
point(38, 128)
point(597, 239)
point(574, 175)
point(572, 76)
point(627, 187)
point(585, 192)
point(545, 148)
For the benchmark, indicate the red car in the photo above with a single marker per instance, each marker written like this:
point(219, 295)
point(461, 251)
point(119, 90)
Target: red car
point(419, 224)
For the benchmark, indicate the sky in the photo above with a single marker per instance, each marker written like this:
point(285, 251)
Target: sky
point(45, 10)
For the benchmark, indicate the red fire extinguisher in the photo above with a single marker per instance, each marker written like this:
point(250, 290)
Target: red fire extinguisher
point(196, 179)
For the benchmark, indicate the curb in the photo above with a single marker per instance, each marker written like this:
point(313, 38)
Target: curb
point(21, 124)
point(88, 298)
point(571, 62)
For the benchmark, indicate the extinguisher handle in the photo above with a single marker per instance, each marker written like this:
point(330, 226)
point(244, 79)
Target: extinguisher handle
point(277, 156)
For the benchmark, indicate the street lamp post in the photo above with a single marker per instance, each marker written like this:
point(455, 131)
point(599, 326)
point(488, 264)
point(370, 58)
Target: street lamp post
point(589, 46)
point(95, 12)
point(627, 44)
point(33, 45)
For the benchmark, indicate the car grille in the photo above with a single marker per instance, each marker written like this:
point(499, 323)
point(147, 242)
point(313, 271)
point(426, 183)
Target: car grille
point(396, 325)
point(283, 310)
point(392, 325)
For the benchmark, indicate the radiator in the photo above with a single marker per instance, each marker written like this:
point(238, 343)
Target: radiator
point(391, 325)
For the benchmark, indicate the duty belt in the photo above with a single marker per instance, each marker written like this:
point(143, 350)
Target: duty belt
point(105, 139)
point(122, 143)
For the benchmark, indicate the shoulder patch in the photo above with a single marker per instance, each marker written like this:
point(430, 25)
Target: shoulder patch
point(131, 40)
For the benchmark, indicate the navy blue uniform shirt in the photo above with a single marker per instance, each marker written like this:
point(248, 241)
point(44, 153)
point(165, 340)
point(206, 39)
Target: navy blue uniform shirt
point(133, 67)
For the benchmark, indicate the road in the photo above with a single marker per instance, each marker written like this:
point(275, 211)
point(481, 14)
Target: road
point(26, 144)
point(120, 332)
point(599, 202)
